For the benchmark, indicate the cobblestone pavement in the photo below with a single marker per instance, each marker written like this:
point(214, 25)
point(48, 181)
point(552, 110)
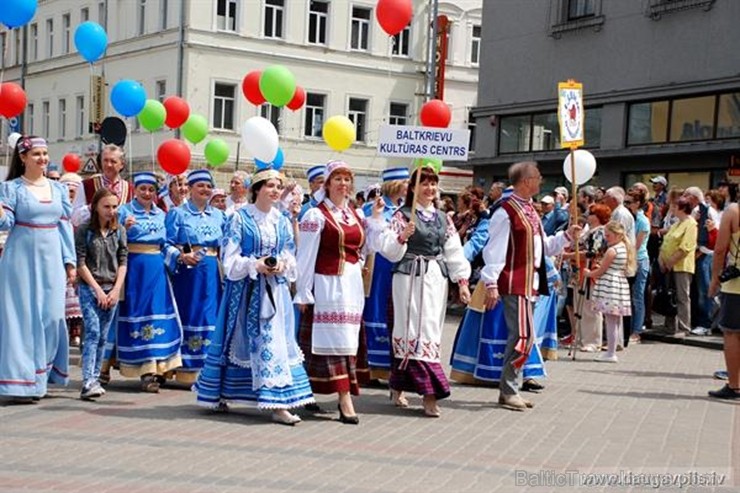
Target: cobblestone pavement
point(648, 414)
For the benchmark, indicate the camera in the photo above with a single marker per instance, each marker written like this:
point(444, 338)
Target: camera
point(271, 262)
point(729, 273)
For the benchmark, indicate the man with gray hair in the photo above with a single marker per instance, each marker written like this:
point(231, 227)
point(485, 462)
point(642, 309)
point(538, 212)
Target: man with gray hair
point(586, 196)
point(614, 198)
point(704, 216)
point(112, 162)
point(514, 272)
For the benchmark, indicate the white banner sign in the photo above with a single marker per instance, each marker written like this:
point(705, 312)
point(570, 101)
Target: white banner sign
point(416, 142)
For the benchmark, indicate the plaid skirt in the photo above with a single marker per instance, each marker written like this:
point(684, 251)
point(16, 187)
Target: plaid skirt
point(332, 374)
point(422, 377)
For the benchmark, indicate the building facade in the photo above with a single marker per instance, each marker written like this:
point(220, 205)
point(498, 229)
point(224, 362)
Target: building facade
point(661, 87)
point(201, 50)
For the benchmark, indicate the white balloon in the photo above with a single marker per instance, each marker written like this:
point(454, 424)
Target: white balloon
point(260, 139)
point(13, 139)
point(585, 166)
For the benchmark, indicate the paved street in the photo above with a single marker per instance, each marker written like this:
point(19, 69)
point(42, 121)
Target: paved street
point(647, 414)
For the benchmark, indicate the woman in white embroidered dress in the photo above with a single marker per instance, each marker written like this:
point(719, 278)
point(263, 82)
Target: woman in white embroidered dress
point(329, 290)
point(427, 252)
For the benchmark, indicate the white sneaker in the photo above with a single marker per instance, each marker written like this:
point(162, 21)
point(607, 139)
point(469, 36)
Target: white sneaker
point(605, 358)
point(701, 331)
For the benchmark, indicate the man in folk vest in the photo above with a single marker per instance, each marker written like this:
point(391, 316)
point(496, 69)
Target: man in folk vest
point(514, 272)
point(112, 161)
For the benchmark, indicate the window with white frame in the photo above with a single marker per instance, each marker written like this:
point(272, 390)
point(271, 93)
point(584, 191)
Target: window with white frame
point(223, 106)
point(62, 124)
point(160, 90)
point(360, 35)
point(29, 119)
point(33, 42)
point(80, 117)
point(448, 57)
point(84, 14)
point(141, 16)
point(274, 14)
point(471, 127)
point(272, 113)
point(45, 119)
point(102, 15)
point(401, 42)
point(358, 115)
point(49, 38)
point(18, 47)
point(398, 114)
point(318, 17)
point(164, 7)
point(66, 33)
point(226, 15)
point(475, 46)
point(314, 114)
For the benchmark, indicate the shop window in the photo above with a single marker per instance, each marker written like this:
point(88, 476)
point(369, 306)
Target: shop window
point(728, 116)
point(648, 123)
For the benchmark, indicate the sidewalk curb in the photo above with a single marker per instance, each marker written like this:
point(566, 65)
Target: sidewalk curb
point(706, 342)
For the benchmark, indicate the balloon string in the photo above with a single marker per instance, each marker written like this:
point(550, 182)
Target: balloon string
point(130, 147)
point(151, 134)
point(7, 147)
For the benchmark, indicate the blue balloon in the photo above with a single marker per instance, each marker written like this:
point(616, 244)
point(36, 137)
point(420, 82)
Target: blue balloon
point(128, 97)
point(91, 41)
point(16, 13)
point(276, 163)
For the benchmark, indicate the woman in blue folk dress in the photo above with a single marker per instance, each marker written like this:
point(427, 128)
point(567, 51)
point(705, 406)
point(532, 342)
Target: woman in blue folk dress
point(195, 230)
point(254, 356)
point(146, 344)
point(34, 347)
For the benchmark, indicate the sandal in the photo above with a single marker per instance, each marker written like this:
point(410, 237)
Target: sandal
point(149, 384)
point(399, 400)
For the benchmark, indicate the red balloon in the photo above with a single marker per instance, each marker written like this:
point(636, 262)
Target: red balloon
point(12, 99)
point(178, 111)
point(394, 15)
point(435, 113)
point(299, 98)
point(251, 88)
point(173, 156)
point(71, 163)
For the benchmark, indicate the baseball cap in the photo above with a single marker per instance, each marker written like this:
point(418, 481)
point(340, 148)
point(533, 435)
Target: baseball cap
point(659, 179)
point(547, 199)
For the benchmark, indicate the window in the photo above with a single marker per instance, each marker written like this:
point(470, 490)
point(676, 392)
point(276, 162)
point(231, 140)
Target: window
point(358, 115)
point(272, 113)
point(540, 132)
point(223, 106)
point(34, 42)
point(399, 114)
point(29, 122)
point(514, 134)
point(592, 130)
point(274, 10)
point(648, 123)
point(80, 117)
point(66, 33)
point(545, 132)
point(3, 40)
point(578, 9)
point(18, 47)
point(164, 6)
point(475, 46)
point(401, 42)
point(226, 15)
point(728, 116)
point(360, 28)
point(84, 14)
point(692, 119)
point(45, 119)
point(102, 15)
point(49, 38)
point(141, 17)
point(471, 127)
point(314, 114)
point(62, 127)
point(317, 18)
point(160, 90)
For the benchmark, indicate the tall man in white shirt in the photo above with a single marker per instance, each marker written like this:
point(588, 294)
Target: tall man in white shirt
point(514, 272)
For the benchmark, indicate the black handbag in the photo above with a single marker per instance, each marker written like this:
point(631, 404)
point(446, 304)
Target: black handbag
point(664, 301)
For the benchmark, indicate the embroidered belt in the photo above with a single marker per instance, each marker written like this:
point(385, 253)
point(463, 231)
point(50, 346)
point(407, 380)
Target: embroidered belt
point(210, 251)
point(37, 226)
point(143, 248)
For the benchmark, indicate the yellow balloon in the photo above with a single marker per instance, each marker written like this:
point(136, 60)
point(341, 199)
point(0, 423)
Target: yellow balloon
point(339, 132)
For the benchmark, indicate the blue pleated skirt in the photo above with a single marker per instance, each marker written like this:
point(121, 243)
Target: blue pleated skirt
point(378, 319)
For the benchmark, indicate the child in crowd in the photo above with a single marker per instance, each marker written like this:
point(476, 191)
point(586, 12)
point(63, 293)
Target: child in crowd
point(611, 294)
point(102, 256)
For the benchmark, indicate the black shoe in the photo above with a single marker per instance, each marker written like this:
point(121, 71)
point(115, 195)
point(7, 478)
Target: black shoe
point(724, 393)
point(532, 385)
point(348, 420)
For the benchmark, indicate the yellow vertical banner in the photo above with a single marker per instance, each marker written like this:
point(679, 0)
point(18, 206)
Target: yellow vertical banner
point(571, 114)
